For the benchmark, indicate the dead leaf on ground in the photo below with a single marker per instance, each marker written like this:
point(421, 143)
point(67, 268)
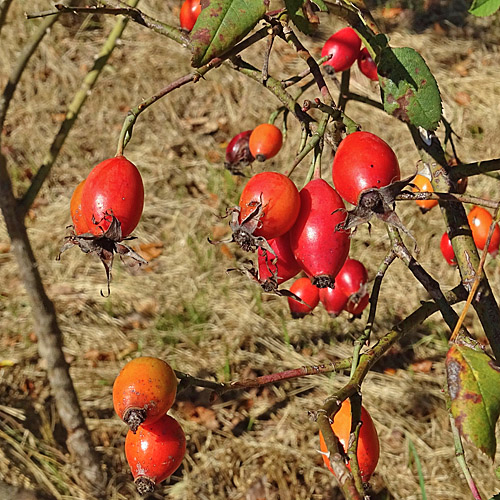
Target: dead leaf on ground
point(462, 98)
point(424, 366)
point(150, 251)
point(199, 414)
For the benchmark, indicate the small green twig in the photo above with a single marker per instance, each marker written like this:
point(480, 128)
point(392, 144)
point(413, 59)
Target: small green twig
point(377, 283)
point(297, 78)
point(344, 89)
point(352, 448)
point(273, 86)
point(352, 96)
point(220, 388)
point(72, 113)
point(291, 38)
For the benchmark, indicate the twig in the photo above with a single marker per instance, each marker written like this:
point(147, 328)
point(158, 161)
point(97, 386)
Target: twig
point(475, 168)
point(425, 279)
point(273, 86)
point(295, 79)
point(304, 54)
point(353, 96)
point(4, 7)
point(377, 283)
point(116, 7)
point(456, 198)
point(344, 88)
point(221, 388)
point(23, 59)
point(72, 113)
point(133, 114)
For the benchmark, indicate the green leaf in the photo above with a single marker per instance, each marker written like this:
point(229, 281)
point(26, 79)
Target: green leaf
point(496, 497)
point(474, 388)
point(302, 14)
point(409, 90)
point(221, 24)
point(484, 7)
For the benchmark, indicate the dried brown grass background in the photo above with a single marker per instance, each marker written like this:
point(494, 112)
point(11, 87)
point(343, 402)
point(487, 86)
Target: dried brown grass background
point(184, 307)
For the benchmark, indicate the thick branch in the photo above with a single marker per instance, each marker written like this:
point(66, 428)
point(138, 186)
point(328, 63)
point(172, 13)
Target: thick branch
point(49, 338)
point(486, 307)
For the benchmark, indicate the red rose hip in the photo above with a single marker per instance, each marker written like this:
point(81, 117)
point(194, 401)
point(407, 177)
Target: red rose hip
point(155, 452)
point(318, 248)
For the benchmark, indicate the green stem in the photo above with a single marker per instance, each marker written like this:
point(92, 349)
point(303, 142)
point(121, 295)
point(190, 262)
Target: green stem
point(352, 96)
point(72, 113)
point(344, 88)
point(377, 283)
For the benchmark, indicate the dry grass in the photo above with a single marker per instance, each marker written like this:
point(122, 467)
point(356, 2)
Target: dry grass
point(185, 308)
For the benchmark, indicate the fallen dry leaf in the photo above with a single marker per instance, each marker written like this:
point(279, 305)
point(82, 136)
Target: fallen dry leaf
point(150, 251)
point(424, 366)
point(199, 414)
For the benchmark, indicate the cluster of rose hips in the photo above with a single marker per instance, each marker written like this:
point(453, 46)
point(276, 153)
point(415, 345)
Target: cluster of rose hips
point(344, 47)
point(143, 392)
point(301, 231)
point(349, 293)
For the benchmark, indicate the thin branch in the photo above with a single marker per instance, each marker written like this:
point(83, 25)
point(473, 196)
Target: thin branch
point(4, 8)
point(424, 278)
point(115, 8)
point(456, 198)
point(344, 88)
point(221, 388)
point(377, 283)
point(289, 35)
point(353, 96)
point(21, 63)
point(196, 75)
point(476, 168)
point(72, 113)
